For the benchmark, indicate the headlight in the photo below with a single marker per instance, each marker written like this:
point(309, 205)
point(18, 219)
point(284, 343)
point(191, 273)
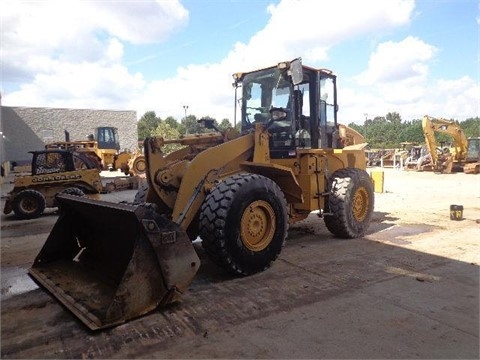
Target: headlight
point(237, 76)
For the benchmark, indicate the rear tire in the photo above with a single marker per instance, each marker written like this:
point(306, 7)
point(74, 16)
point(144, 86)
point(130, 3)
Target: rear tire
point(244, 223)
point(73, 191)
point(29, 204)
point(350, 203)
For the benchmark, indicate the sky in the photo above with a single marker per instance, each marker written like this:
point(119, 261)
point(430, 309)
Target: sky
point(414, 57)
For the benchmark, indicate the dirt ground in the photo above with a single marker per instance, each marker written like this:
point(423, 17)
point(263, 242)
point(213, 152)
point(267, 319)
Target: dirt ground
point(408, 289)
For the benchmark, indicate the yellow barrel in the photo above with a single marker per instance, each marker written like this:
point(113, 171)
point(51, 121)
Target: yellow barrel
point(377, 179)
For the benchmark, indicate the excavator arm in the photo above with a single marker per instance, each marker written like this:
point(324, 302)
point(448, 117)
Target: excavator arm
point(431, 125)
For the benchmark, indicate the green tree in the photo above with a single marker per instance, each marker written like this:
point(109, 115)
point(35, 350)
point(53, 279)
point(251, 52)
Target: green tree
point(471, 127)
point(147, 124)
point(412, 132)
point(168, 132)
point(393, 118)
point(190, 125)
point(225, 124)
point(374, 131)
point(172, 122)
point(380, 132)
point(356, 127)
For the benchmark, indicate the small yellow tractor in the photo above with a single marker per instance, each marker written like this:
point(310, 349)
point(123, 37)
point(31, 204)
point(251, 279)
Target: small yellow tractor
point(237, 192)
point(53, 172)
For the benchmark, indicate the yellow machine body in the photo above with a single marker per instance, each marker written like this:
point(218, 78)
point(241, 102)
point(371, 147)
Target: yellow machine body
point(238, 192)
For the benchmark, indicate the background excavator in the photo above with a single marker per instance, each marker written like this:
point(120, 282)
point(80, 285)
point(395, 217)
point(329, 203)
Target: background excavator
point(238, 192)
point(463, 155)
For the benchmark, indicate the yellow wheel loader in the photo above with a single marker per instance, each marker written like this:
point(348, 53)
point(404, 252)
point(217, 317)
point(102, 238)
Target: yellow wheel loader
point(103, 148)
point(238, 192)
point(53, 172)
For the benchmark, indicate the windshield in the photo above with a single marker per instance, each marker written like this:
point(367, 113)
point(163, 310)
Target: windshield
point(108, 138)
point(263, 90)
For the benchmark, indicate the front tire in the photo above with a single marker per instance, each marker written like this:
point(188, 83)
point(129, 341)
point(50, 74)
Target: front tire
point(350, 203)
point(29, 204)
point(244, 223)
point(139, 165)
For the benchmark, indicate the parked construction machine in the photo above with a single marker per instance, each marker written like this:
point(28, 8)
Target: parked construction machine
point(463, 155)
point(103, 148)
point(472, 160)
point(53, 172)
point(238, 192)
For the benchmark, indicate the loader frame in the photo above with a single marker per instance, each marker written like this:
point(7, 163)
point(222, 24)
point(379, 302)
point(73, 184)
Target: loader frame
point(237, 191)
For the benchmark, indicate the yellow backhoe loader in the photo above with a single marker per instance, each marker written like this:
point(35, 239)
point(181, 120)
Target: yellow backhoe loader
point(238, 192)
point(464, 154)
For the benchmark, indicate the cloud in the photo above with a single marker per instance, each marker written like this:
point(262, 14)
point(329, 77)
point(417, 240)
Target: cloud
point(76, 59)
point(398, 61)
point(145, 22)
point(311, 27)
point(397, 80)
point(460, 97)
point(296, 27)
point(206, 89)
point(71, 85)
point(37, 35)
point(456, 99)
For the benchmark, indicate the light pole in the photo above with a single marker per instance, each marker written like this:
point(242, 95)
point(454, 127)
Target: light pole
point(365, 126)
point(185, 108)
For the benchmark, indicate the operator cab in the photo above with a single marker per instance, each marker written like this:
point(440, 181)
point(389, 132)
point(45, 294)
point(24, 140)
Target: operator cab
point(53, 161)
point(298, 104)
point(473, 150)
point(107, 138)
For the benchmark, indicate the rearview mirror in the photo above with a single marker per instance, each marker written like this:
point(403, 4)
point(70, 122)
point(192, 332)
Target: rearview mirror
point(296, 70)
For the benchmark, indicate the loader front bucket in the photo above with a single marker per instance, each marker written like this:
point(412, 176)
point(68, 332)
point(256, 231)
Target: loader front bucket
point(109, 263)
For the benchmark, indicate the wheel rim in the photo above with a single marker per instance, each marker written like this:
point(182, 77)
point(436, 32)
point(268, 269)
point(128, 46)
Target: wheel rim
point(140, 166)
point(29, 205)
point(257, 225)
point(360, 204)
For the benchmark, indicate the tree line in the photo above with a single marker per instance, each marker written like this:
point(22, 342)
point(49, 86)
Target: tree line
point(170, 128)
point(381, 132)
point(389, 131)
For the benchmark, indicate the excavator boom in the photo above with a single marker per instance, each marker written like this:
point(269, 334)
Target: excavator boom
point(431, 125)
point(465, 151)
